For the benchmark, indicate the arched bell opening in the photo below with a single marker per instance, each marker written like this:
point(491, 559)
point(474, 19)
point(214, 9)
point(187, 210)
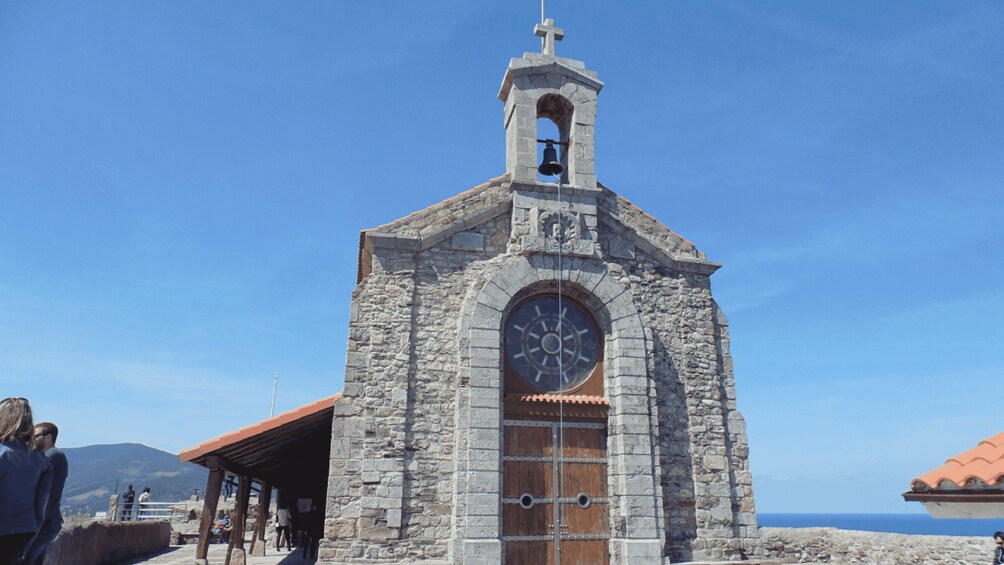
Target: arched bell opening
point(554, 121)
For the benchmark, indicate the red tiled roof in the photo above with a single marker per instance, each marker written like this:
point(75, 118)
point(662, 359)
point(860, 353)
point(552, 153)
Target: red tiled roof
point(198, 452)
point(556, 398)
point(982, 466)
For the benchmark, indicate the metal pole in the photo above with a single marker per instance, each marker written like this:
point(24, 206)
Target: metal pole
point(275, 385)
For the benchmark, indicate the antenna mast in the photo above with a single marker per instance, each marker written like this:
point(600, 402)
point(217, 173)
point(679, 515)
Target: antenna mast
point(275, 385)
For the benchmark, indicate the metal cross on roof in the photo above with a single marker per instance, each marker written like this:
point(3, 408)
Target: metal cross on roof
point(548, 34)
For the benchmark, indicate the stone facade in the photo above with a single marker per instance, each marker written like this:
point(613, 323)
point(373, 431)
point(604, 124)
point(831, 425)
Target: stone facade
point(415, 473)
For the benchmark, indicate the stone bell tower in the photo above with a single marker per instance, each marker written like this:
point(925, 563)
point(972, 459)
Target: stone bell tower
point(537, 370)
point(543, 85)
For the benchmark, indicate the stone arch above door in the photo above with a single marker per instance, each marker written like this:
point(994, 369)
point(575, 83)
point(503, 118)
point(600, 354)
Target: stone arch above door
point(633, 480)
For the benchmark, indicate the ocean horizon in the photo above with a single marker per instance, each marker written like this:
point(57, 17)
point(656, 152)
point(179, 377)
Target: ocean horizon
point(920, 524)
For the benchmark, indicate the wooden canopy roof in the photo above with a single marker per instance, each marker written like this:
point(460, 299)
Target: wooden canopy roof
point(280, 450)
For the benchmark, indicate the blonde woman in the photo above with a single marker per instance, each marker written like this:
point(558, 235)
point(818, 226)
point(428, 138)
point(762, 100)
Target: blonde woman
point(25, 478)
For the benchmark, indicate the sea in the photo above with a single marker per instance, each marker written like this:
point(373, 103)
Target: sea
point(890, 523)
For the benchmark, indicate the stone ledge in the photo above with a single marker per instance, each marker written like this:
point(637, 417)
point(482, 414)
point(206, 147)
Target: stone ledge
point(835, 546)
point(747, 562)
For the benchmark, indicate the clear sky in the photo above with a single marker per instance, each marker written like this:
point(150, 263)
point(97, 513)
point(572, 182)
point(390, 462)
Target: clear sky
point(182, 186)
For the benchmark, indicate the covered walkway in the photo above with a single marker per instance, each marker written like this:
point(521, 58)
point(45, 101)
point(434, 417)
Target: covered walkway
point(288, 452)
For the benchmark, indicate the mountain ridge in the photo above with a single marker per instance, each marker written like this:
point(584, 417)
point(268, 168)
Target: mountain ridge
point(100, 470)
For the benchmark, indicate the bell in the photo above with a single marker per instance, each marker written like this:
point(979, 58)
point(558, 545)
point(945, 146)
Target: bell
point(550, 166)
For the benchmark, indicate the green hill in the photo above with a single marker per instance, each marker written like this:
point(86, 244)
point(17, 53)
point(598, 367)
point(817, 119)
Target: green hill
point(95, 470)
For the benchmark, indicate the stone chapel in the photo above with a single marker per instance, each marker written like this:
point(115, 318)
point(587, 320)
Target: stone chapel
point(537, 371)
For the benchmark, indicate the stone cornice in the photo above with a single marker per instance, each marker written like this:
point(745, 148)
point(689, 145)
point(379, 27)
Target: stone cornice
point(535, 63)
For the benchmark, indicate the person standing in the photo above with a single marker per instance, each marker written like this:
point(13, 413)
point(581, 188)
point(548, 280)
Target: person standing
point(25, 480)
point(282, 524)
point(127, 499)
point(143, 497)
point(999, 553)
point(312, 527)
point(45, 442)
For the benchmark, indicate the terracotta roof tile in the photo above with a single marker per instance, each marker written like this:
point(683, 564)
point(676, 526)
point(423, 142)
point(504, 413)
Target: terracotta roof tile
point(206, 447)
point(982, 466)
point(569, 399)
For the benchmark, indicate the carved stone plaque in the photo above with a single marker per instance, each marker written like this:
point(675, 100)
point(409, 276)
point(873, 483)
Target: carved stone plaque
point(621, 247)
point(468, 241)
point(554, 230)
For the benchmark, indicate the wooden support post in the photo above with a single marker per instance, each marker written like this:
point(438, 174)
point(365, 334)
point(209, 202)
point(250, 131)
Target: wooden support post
point(240, 519)
point(213, 485)
point(259, 541)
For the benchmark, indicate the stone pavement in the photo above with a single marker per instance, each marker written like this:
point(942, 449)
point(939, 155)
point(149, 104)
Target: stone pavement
point(185, 555)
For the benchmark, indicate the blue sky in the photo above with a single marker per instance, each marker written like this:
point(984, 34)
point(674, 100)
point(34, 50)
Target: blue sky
point(182, 186)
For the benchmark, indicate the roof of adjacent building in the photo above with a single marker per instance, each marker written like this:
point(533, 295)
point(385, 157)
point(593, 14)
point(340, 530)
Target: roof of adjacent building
point(263, 450)
point(978, 468)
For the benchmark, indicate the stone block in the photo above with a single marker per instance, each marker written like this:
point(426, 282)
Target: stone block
point(485, 397)
point(483, 482)
point(621, 306)
point(485, 418)
point(485, 358)
point(339, 529)
point(488, 551)
point(487, 527)
point(394, 518)
point(634, 366)
point(483, 504)
point(485, 377)
point(376, 530)
point(493, 296)
point(486, 439)
point(640, 551)
point(483, 460)
point(628, 347)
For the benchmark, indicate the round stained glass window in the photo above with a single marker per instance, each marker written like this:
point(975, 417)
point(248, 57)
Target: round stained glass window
point(551, 347)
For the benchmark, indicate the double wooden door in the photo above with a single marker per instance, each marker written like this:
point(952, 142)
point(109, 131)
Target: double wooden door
point(554, 498)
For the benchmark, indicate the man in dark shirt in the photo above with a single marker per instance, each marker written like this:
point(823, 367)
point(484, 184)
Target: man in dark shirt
point(45, 441)
point(127, 498)
point(999, 553)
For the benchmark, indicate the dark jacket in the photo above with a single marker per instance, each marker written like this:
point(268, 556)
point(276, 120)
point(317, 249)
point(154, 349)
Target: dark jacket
point(999, 556)
point(25, 480)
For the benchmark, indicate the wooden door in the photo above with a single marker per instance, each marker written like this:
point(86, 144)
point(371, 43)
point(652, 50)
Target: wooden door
point(555, 474)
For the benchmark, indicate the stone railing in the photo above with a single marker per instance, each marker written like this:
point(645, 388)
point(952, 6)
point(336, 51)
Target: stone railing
point(100, 542)
point(847, 547)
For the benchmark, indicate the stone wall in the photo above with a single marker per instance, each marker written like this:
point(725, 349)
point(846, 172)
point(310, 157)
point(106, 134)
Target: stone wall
point(846, 547)
point(101, 542)
point(391, 483)
point(706, 483)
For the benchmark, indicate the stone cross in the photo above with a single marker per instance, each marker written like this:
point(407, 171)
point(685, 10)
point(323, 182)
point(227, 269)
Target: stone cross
point(548, 34)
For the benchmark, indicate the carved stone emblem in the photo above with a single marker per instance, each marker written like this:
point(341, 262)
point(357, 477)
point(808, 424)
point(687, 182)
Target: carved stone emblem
point(559, 226)
point(552, 230)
